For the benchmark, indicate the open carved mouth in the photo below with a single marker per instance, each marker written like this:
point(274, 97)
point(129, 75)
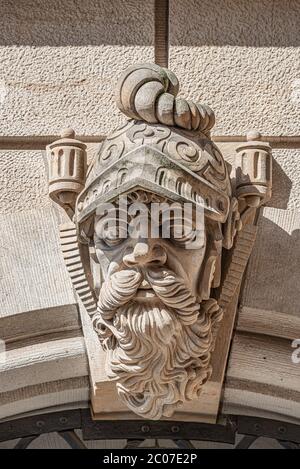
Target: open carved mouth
point(145, 290)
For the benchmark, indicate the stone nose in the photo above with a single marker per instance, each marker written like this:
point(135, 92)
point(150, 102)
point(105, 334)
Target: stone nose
point(145, 254)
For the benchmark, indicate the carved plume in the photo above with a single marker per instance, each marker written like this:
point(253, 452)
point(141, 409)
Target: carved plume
point(148, 92)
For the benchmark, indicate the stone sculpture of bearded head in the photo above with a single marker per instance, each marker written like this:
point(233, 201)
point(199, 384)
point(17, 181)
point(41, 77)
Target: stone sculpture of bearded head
point(156, 316)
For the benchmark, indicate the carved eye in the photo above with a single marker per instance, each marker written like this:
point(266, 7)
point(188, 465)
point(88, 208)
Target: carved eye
point(114, 237)
point(110, 233)
point(184, 239)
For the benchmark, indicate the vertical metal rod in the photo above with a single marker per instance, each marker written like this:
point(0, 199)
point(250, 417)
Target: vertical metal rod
point(23, 443)
point(72, 439)
point(161, 44)
point(246, 442)
point(184, 444)
point(132, 443)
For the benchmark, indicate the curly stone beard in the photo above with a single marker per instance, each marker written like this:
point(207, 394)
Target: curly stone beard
point(158, 349)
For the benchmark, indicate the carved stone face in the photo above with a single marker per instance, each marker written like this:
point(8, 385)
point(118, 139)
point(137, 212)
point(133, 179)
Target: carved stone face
point(152, 317)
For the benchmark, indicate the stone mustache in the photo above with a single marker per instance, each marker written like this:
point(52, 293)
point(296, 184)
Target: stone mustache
point(153, 300)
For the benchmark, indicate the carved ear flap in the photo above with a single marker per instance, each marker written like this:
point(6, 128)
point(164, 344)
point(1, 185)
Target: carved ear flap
point(211, 270)
point(207, 276)
point(232, 224)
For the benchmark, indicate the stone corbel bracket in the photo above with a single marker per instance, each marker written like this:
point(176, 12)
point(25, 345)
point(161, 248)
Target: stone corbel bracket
point(251, 182)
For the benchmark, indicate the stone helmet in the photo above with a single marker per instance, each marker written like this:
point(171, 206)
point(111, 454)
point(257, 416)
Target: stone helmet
point(163, 148)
